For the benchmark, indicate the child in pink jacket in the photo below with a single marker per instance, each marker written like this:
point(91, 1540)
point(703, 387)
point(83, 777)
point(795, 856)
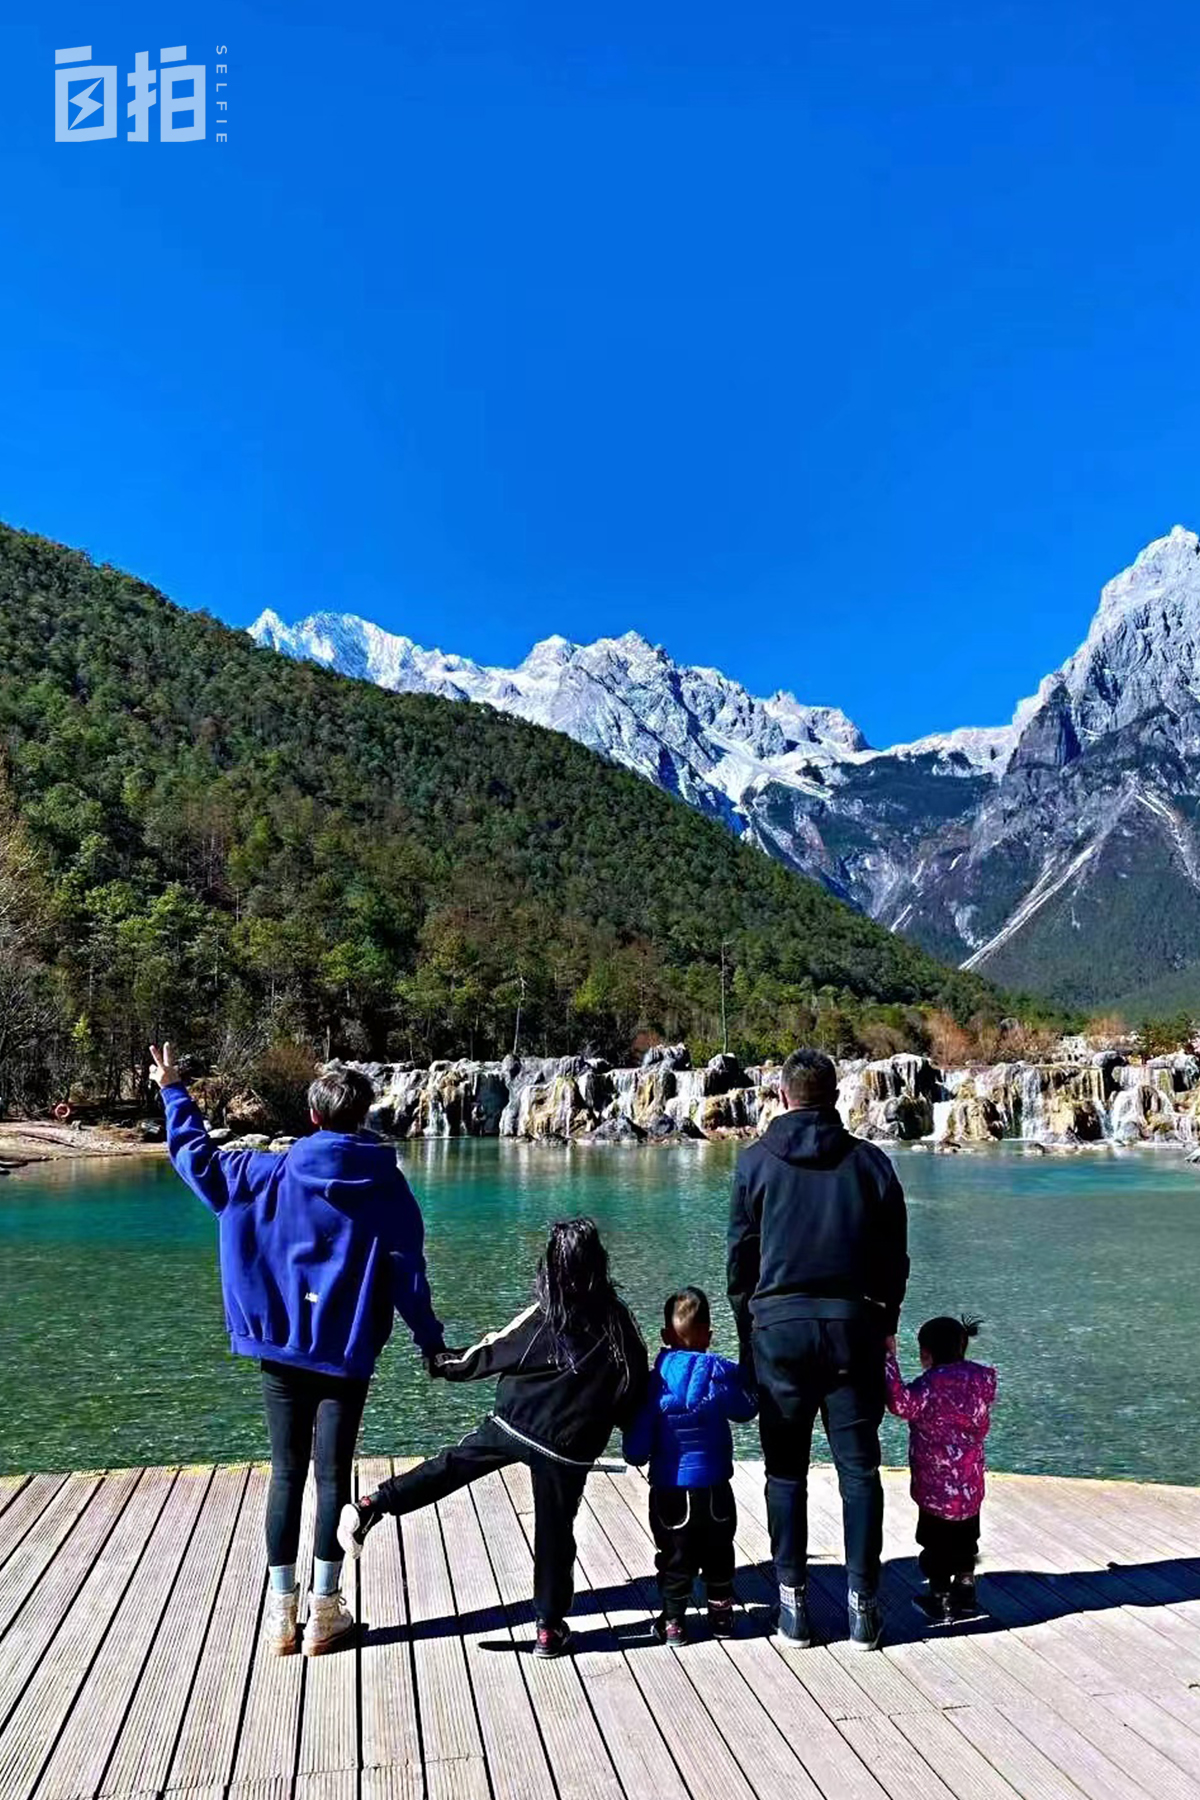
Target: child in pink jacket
point(948, 1409)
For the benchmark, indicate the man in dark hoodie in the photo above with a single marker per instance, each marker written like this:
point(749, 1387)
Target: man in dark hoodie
point(818, 1264)
point(320, 1247)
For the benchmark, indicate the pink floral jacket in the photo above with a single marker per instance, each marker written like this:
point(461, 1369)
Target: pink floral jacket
point(948, 1409)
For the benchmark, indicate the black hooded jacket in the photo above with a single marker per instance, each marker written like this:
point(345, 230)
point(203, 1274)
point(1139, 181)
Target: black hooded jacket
point(816, 1213)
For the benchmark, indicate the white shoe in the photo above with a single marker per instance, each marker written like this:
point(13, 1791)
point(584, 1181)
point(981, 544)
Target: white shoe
point(330, 1621)
point(279, 1622)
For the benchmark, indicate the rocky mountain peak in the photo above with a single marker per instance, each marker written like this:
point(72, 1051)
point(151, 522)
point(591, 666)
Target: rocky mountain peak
point(1014, 848)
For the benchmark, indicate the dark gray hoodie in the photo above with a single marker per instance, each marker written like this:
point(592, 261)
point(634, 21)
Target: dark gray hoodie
point(816, 1213)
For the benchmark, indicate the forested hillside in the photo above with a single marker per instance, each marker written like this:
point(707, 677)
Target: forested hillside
point(266, 860)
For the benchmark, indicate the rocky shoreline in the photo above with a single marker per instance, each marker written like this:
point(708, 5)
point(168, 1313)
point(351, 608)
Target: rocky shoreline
point(1088, 1097)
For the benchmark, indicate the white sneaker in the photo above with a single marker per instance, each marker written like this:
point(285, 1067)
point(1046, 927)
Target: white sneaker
point(279, 1622)
point(330, 1621)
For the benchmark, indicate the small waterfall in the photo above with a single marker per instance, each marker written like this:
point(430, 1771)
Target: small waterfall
point(942, 1110)
point(1033, 1103)
point(438, 1125)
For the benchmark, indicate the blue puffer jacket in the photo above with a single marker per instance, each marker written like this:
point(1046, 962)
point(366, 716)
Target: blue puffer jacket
point(683, 1427)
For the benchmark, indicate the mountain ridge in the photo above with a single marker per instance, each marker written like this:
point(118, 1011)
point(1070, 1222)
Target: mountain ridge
point(1003, 848)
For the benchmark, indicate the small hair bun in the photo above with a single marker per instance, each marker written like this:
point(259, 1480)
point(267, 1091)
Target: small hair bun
point(971, 1326)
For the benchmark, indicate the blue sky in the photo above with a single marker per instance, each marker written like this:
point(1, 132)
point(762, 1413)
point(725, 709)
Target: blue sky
point(851, 353)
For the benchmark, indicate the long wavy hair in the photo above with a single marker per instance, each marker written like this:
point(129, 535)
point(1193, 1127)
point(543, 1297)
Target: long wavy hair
point(577, 1295)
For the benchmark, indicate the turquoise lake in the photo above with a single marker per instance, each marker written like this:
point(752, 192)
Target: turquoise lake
point(1084, 1269)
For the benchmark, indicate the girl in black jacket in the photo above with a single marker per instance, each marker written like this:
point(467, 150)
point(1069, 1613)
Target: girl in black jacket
point(572, 1367)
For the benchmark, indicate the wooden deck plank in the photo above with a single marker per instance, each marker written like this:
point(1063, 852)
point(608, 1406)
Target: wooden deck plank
point(574, 1745)
point(25, 1502)
point(10, 1487)
point(390, 1732)
point(512, 1736)
point(1018, 1759)
point(268, 1745)
point(34, 1723)
point(40, 1542)
point(78, 1537)
point(634, 1740)
point(213, 1711)
point(130, 1667)
point(76, 1766)
point(451, 1745)
point(141, 1756)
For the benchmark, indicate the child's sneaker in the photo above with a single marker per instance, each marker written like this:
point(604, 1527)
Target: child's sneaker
point(279, 1621)
point(793, 1627)
point(330, 1622)
point(670, 1631)
point(865, 1619)
point(552, 1641)
point(964, 1602)
point(354, 1522)
point(935, 1608)
point(720, 1618)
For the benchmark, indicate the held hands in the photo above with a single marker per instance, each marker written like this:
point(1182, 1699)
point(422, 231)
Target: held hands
point(433, 1360)
point(163, 1068)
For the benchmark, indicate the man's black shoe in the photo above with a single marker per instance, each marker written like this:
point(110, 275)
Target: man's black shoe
point(866, 1621)
point(793, 1628)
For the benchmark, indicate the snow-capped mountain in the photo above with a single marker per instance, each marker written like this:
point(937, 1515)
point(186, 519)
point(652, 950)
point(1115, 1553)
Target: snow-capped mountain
point(1018, 849)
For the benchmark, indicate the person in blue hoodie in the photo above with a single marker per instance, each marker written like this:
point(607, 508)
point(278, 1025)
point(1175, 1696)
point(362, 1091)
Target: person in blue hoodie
point(683, 1432)
point(320, 1246)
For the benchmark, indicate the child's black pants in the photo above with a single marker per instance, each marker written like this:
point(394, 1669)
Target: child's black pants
point(557, 1491)
point(693, 1529)
point(949, 1547)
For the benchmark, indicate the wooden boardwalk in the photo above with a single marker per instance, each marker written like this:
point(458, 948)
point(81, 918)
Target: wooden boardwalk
point(129, 1659)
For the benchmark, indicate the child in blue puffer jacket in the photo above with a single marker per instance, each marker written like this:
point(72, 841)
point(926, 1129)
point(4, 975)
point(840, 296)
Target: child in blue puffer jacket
point(683, 1432)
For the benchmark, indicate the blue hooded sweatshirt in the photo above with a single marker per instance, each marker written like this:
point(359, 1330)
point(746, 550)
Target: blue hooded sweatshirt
point(319, 1245)
point(683, 1427)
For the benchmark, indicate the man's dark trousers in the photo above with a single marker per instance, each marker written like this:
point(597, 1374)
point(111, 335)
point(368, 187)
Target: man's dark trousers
point(827, 1364)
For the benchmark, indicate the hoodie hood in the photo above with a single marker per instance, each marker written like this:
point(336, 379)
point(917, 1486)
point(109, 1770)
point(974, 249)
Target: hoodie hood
point(691, 1381)
point(813, 1138)
point(345, 1169)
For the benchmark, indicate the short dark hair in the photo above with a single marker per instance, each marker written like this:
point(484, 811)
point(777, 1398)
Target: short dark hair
point(946, 1339)
point(341, 1099)
point(809, 1079)
point(687, 1308)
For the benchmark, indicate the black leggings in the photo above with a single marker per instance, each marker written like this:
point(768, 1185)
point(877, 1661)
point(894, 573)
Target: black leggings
point(557, 1491)
point(310, 1418)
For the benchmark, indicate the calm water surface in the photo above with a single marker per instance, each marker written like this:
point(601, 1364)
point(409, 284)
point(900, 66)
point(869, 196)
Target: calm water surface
point(112, 1349)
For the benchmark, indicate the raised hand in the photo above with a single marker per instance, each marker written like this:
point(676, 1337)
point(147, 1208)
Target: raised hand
point(162, 1067)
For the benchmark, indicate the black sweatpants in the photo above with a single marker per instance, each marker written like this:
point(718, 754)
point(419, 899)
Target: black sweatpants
point(310, 1418)
point(557, 1491)
point(829, 1368)
point(949, 1547)
point(693, 1531)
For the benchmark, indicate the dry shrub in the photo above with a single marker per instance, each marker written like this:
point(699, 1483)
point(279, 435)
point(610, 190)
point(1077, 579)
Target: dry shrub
point(951, 1045)
point(281, 1077)
point(880, 1039)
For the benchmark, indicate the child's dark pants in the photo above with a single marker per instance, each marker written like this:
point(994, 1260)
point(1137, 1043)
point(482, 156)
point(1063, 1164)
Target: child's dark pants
point(693, 1529)
point(949, 1547)
point(557, 1491)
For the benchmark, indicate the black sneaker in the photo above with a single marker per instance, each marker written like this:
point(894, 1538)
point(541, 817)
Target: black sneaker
point(354, 1522)
point(552, 1641)
point(793, 1627)
point(964, 1602)
point(670, 1631)
point(720, 1618)
point(934, 1608)
point(866, 1621)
